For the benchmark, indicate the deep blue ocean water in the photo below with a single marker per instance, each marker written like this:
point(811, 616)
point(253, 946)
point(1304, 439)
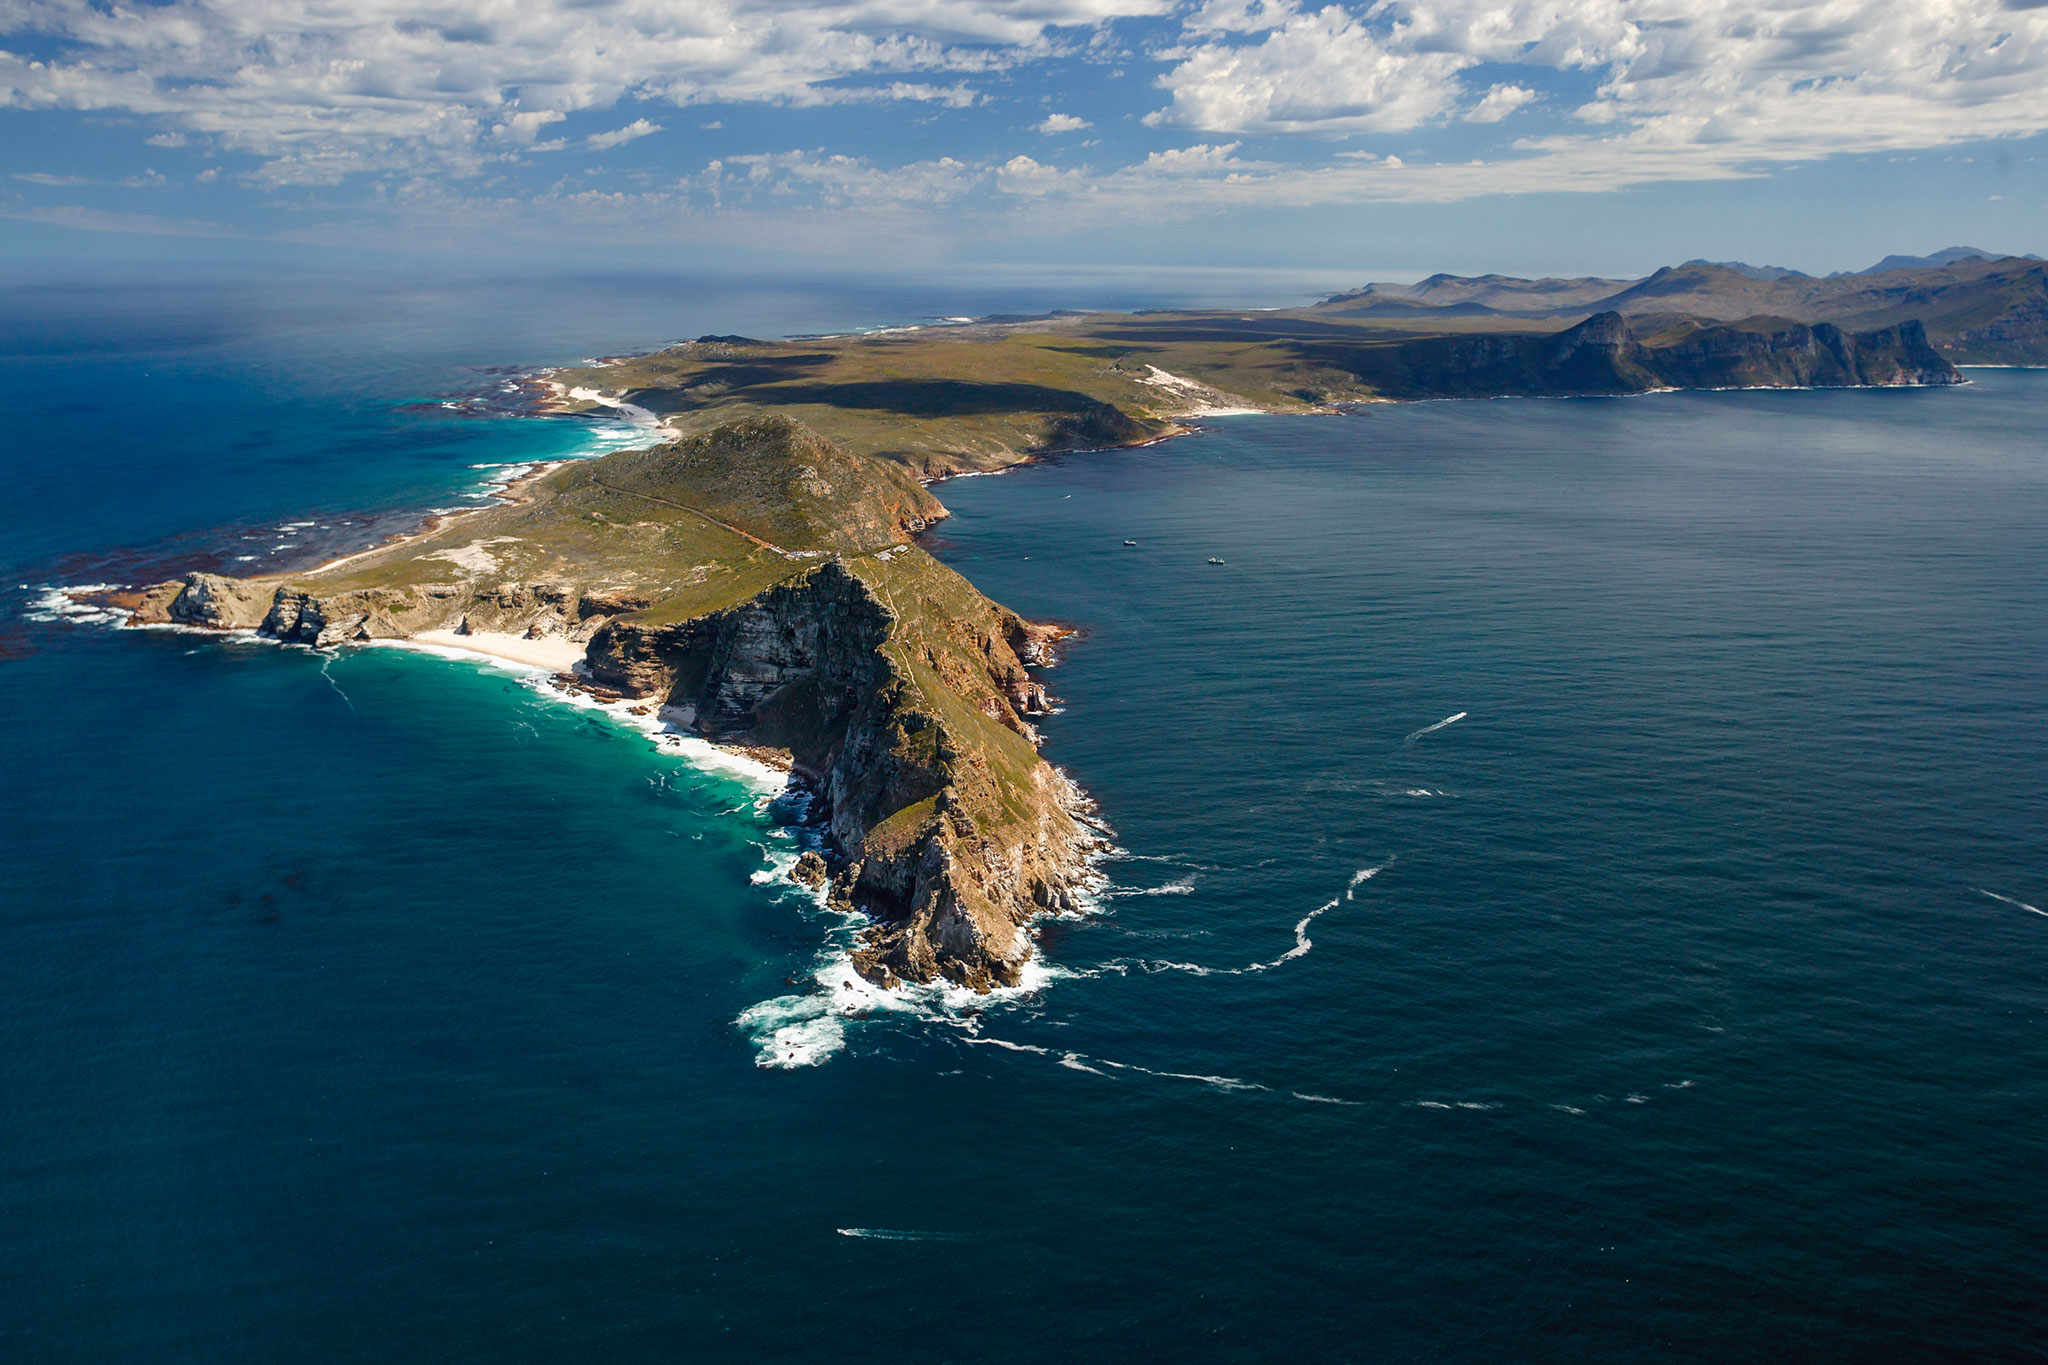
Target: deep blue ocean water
point(377, 1005)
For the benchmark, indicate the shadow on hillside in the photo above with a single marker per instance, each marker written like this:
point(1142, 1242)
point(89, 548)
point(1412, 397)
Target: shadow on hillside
point(931, 397)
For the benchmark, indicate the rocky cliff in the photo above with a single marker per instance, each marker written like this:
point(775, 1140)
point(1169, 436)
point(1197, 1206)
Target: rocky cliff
point(902, 696)
point(1976, 309)
point(1605, 354)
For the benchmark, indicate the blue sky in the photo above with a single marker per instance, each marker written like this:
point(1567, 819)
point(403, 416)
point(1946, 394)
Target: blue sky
point(1391, 138)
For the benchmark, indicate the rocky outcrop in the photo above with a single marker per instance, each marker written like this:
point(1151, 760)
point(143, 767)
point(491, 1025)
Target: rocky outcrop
point(910, 726)
point(207, 600)
point(305, 616)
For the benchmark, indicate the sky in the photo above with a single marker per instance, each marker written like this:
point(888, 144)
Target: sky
point(1376, 140)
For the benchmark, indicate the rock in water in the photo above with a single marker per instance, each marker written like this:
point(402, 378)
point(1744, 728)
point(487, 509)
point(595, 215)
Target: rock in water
point(810, 869)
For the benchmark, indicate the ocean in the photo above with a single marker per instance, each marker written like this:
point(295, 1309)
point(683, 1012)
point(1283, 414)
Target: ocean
point(1580, 891)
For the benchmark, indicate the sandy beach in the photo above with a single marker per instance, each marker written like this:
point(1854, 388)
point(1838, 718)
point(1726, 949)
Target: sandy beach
point(554, 653)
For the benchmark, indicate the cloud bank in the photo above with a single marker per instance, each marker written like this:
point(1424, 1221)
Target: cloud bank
point(1251, 102)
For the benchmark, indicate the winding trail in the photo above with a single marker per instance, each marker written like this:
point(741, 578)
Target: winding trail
point(696, 512)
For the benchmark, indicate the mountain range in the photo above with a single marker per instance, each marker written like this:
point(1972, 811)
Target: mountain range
point(1977, 307)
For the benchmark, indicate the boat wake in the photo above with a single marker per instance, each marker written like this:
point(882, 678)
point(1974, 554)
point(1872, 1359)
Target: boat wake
point(1432, 729)
point(2010, 901)
point(1102, 1066)
point(1179, 886)
point(1123, 966)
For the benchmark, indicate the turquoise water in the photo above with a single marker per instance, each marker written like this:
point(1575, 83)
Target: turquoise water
point(380, 1005)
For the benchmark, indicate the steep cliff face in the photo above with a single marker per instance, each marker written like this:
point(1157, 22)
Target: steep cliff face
point(1821, 355)
point(903, 701)
point(1606, 354)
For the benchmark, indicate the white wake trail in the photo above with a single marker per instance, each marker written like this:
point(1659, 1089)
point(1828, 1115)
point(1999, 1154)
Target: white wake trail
point(1302, 942)
point(1432, 729)
point(325, 664)
point(2010, 901)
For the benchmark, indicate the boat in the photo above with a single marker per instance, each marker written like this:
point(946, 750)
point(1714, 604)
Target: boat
point(1130, 542)
point(1214, 560)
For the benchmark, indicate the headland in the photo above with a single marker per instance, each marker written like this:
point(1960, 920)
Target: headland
point(752, 576)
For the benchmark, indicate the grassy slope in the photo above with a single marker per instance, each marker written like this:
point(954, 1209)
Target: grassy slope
point(696, 525)
point(975, 398)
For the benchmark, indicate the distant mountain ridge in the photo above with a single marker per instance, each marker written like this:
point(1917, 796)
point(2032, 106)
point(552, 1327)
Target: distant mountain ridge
point(1951, 255)
point(1756, 272)
point(1977, 308)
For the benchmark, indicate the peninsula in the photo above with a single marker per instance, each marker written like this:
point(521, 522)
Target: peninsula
point(755, 575)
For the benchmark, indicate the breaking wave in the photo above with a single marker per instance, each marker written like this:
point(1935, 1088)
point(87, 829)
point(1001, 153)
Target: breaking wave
point(52, 603)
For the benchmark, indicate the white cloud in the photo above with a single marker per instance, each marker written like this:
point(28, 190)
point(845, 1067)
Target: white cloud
point(836, 182)
point(638, 128)
point(1238, 16)
point(1723, 82)
point(81, 219)
point(321, 91)
point(958, 95)
point(1326, 72)
point(1021, 175)
point(1498, 103)
point(1196, 160)
point(149, 179)
point(424, 91)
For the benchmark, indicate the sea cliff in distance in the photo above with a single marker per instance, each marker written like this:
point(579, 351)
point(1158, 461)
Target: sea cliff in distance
point(1977, 307)
point(753, 576)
